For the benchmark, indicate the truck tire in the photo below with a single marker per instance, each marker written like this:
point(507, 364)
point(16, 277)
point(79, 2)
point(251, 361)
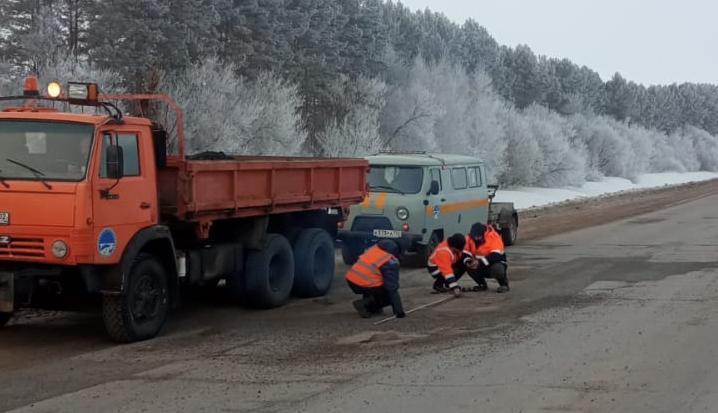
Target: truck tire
point(140, 312)
point(350, 253)
point(314, 264)
point(510, 233)
point(269, 273)
point(4, 318)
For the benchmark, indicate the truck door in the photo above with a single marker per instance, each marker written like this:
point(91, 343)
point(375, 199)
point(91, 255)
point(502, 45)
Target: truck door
point(122, 207)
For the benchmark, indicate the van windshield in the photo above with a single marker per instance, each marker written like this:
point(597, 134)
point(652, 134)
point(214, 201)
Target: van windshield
point(396, 179)
point(44, 151)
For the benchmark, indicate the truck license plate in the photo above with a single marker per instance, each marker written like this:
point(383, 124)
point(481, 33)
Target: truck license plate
point(4, 218)
point(387, 233)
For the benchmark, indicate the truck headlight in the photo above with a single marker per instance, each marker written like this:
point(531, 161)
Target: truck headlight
point(402, 213)
point(59, 249)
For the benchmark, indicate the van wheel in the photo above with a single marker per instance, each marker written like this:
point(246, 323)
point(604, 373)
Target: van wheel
point(140, 312)
point(350, 253)
point(428, 249)
point(4, 318)
point(269, 273)
point(510, 233)
point(314, 276)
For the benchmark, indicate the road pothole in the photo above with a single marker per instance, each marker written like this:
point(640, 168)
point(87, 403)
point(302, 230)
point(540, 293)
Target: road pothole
point(379, 338)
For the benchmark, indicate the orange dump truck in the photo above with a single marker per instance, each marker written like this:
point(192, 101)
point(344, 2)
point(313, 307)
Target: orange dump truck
point(93, 209)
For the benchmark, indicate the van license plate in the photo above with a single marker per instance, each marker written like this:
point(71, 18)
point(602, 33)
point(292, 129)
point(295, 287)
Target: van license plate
point(387, 233)
point(4, 218)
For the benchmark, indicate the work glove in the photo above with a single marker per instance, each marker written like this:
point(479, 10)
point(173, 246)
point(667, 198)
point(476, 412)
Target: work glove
point(472, 264)
point(457, 291)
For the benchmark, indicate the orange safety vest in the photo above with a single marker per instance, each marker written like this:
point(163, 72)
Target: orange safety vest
point(492, 244)
point(366, 273)
point(444, 259)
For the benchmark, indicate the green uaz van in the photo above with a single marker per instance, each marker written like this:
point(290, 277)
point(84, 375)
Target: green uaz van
point(418, 199)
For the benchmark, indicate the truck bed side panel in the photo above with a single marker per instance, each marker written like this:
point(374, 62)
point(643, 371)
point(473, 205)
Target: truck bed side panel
point(258, 186)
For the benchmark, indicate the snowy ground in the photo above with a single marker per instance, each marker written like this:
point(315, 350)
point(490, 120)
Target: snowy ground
point(524, 198)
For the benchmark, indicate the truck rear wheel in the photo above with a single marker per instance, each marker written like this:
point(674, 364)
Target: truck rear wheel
point(4, 318)
point(140, 312)
point(269, 273)
point(314, 263)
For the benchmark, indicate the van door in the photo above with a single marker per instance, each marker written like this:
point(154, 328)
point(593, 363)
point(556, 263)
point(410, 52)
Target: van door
point(433, 204)
point(122, 207)
point(478, 207)
point(455, 210)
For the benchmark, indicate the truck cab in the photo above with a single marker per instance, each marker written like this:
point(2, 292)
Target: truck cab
point(418, 199)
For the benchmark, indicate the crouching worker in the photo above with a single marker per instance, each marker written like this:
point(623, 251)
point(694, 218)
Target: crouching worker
point(375, 276)
point(484, 257)
point(445, 264)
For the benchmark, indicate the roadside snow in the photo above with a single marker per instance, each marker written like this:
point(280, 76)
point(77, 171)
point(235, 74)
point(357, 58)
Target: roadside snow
point(525, 198)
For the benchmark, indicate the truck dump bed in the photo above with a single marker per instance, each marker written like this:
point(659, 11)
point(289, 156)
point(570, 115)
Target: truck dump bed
point(193, 190)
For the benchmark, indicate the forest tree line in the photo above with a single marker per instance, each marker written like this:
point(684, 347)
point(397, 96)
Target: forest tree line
point(353, 77)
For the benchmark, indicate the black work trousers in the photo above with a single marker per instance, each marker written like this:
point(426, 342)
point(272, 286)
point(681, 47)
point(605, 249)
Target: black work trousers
point(496, 271)
point(375, 299)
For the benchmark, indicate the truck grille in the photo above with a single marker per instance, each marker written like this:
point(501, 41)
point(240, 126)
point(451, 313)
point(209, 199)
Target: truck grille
point(23, 248)
point(369, 224)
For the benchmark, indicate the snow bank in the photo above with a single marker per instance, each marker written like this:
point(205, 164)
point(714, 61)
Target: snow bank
point(524, 198)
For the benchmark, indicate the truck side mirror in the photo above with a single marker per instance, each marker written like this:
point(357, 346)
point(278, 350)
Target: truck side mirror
point(491, 189)
point(114, 162)
point(434, 188)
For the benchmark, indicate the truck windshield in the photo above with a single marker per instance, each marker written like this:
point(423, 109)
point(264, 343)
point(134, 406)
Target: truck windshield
point(396, 179)
point(44, 151)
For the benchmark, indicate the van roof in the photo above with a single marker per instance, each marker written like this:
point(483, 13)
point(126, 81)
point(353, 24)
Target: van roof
point(421, 159)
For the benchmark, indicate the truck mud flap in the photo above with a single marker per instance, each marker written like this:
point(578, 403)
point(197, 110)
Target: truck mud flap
point(7, 292)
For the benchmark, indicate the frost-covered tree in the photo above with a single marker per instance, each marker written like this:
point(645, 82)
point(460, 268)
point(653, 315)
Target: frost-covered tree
point(559, 164)
point(356, 132)
point(411, 111)
point(229, 113)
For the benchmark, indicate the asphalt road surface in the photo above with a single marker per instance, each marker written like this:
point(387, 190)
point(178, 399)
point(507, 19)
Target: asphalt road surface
point(617, 317)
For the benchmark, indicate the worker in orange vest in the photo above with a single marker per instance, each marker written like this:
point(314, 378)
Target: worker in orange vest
point(375, 276)
point(484, 257)
point(444, 263)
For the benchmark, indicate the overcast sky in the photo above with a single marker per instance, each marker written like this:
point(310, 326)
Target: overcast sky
point(648, 41)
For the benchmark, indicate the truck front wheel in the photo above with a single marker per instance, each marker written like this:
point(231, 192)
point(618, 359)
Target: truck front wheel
point(314, 263)
point(4, 318)
point(269, 273)
point(140, 312)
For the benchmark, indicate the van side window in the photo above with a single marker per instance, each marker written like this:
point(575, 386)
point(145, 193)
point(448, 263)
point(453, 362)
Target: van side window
point(436, 176)
point(459, 179)
point(474, 177)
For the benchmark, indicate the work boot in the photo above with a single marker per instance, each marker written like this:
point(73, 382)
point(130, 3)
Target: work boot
point(481, 287)
point(439, 287)
point(361, 308)
point(503, 289)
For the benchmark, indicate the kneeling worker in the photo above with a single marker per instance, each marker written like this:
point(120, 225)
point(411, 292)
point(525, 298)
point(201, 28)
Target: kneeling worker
point(484, 257)
point(445, 264)
point(376, 276)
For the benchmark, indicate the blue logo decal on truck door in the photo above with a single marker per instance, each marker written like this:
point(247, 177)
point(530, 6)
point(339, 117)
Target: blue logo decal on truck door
point(107, 242)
